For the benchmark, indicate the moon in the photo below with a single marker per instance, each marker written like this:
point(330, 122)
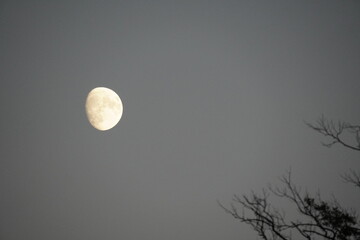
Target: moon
point(103, 108)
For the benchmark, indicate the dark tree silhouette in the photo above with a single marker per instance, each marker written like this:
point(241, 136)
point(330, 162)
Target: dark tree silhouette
point(317, 219)
point(352, 177)
point(343, 133)
point(337, 132)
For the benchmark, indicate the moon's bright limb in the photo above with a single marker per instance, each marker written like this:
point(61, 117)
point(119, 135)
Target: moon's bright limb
point(103, 108)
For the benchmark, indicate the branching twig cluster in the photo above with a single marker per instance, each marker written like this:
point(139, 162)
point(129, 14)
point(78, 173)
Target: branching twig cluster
point(335, 131)
point(352, 177)
point(319, 219)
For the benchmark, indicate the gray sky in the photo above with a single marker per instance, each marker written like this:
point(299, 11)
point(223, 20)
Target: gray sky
point(215, 94)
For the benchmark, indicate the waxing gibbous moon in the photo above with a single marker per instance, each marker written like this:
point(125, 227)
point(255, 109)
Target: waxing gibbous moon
point(103, 108)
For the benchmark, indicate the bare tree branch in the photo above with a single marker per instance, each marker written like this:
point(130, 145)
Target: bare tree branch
point(319, 219)
point(352, 177)
point(335, 131)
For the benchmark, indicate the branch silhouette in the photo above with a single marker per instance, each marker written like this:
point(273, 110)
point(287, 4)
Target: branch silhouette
point(336, 131)
point(352, 177)
point(317, 218)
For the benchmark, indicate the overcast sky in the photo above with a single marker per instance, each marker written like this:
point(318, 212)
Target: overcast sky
point(215, 97)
